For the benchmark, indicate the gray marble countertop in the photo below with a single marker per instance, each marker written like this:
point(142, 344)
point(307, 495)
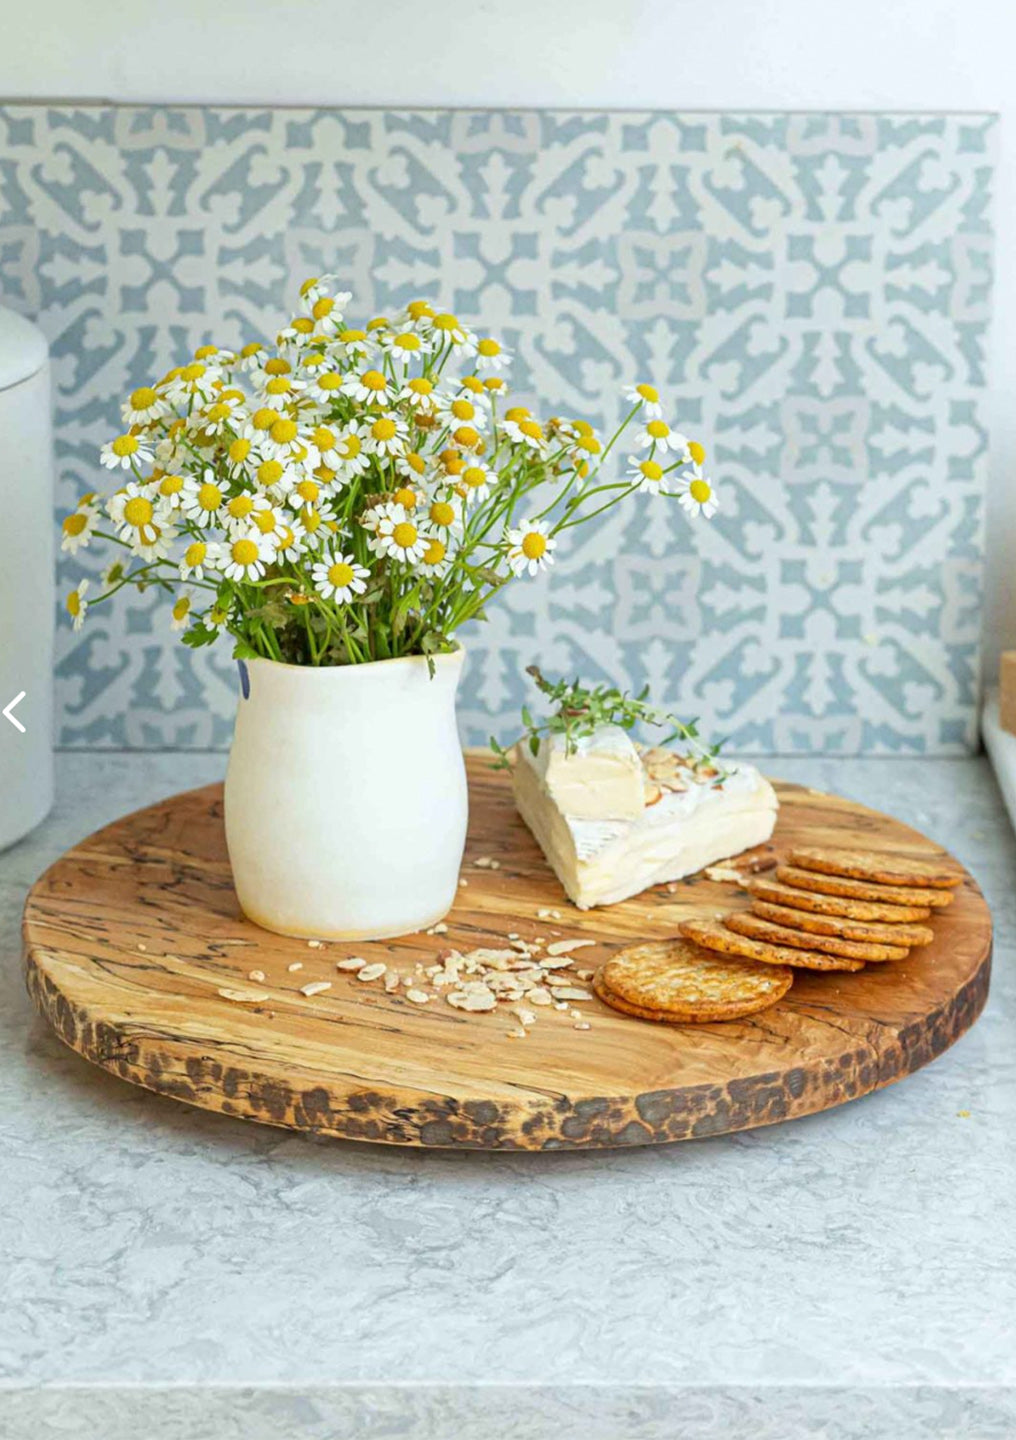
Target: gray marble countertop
point(165, 1272)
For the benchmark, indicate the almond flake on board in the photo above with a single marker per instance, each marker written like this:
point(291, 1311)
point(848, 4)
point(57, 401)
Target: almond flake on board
point(296, 965)
point(565, 947)
point(250, 997)
point(372, 972)
point(316, 987)
point(418, 997)
point(255, 975)
point(351, 962)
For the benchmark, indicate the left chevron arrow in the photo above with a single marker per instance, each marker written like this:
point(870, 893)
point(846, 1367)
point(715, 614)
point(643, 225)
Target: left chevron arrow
point(8, 715)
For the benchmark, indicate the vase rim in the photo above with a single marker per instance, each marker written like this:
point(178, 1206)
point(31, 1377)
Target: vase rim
point(457, 654)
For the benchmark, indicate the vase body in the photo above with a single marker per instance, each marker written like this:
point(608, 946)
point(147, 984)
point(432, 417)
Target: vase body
point(345, 798)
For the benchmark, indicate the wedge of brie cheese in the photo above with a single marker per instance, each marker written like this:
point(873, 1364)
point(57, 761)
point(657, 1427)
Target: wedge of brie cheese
point(613, 820)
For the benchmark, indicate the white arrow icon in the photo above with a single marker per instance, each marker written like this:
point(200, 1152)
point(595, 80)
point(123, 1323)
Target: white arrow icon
point(6, 712)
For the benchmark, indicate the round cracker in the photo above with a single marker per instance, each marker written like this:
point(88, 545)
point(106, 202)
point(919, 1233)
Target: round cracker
point(743, 922)
point(842, 926)
point(819, 904)
point(862, 889)
point(718, 937)
point(877, 866)
point(673, 980)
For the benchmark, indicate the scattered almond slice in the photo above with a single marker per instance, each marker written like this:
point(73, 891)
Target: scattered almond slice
point(250, 997)
point(315, 987)
point(392, 981)
point(565, 947)
point(569, 992)
point(372, 972)
point(315, 944)
point(352, 962)
point(724, 872)
point(255, 975)
point(418, 997)
point(296, 965)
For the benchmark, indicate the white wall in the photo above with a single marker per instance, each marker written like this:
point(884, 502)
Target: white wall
point(668, 54)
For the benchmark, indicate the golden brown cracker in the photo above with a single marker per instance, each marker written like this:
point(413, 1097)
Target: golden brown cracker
point(842, 926)
point(743, 922)
point(865, 890)
point(819, 904)
point(877, 867)
point(717, 937)
point(675, 981)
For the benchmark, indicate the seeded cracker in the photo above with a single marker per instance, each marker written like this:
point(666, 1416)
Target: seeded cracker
point(673, 981)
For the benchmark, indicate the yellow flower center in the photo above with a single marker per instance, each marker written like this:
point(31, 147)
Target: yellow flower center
point(143, 398)
point(446, 323)
point(280, 385)
point(195, 553)
point(218, 412)
point(408, 341)
point(330, 380)
point(415, 462)
point(405, 497)
point(308, 491)
point(311, 518)
point(352, 337)
point(181, 608)
point(463, 409)
point(125, 445)
point(269, 472)
point(324, 438)
point(517, 412)
point(373, 380)
point(651, 470)
point(533, 545)
point(404, 535)
point(589, 443)
point(190, 373)
point(434, 553)
point(209, 496)
point(466, 436)
point(493, 382)
point(308, 285)
point(171, 485)
point(283, 431)
point(249, 351)
point(205, 352)
point(700, 490)
point(323, 307)
point(239, 506)
point(420, 386)
point(302, 325)
point(245, 552)
point(277, 366)
point(239, 450)
point(74, 524)
point(74, 604)
point(489, 348)
point(379, 322)
point(648, 392)
point(383, 429)
point(697, 452)
point(340, 574)
point(264, 419)
point(658, 429)
point(582, 427)
point(138, 511)
point(474, 477)
point(532, 428)
point(442, 513)
point(473, 383)
point(350, 447)
point(266, 521)
point(417, 309)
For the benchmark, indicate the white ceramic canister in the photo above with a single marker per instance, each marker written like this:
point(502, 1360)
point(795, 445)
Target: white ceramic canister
point(27, 582)
point(345, 799)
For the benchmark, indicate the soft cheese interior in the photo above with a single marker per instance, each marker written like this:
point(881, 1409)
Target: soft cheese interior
point(603, 846)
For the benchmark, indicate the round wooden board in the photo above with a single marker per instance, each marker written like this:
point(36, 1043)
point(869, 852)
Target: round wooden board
point(131, 935)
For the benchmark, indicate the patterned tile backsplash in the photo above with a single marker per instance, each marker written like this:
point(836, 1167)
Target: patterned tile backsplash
point(812, 292)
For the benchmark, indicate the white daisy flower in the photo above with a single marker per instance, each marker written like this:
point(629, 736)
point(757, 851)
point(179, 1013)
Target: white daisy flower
point(647, 473)
point(349, 447)
point(386, 436)
point(143, 407)
point(475, 483)
point(316, 286)
point(290, 538)
point(491, 356)
point(530, 547)
point(447, 331)
point(181, 613)
point(299, 332)
point(420, 394)
point(276, 477)
point(338, 577)
point(434, 560)
point(306, 490)
point(196, 381)
point(124, 453)
point(282, 391)
point(471, 387)
point(369, 387)
point(77, 605)
point(113, 574)
point(203, 500)
point(648, 397)
point(412, 467)
point(443, 515)
point(699, 498)
point(226, 410)
point(283, 440)
point(325, 386)
point(252, 357)
point(658, 434)
point(245, 556)
point(78, 527)
point(526, 431)
point(142, 521)
point(462, 409)
point(395, 534)
point(242, 511)
point(405, 345)
point(199, 557)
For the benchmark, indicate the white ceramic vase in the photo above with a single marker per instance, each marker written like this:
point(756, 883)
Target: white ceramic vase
point(346, 800)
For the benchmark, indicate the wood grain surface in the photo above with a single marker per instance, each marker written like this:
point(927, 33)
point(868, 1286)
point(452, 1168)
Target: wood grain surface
point(131, 935)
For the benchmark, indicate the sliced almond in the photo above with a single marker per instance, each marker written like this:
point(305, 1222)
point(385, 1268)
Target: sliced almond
point(315, 987)
point(372, 972)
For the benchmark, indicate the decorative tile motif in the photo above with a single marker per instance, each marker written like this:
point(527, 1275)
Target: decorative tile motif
point(812, 292)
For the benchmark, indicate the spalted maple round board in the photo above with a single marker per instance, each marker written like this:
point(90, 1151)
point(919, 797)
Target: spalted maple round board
point(132, 934)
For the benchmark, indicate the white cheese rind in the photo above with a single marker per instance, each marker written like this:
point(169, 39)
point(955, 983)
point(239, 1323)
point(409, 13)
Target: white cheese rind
point(600, 862)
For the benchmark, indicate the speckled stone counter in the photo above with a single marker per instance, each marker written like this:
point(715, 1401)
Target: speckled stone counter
point(170, 1274)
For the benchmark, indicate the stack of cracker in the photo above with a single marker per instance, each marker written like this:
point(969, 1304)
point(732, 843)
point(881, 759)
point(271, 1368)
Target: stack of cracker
point(827, 909)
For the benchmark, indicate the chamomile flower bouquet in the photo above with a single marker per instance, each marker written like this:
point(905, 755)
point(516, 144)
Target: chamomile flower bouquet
point(341, 503)
point(352, 494)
